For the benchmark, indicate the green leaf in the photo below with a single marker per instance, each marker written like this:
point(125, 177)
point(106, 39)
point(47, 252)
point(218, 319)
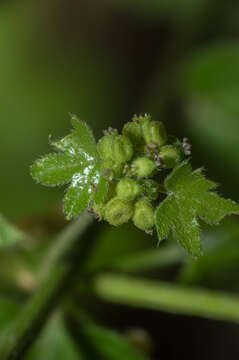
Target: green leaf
point(101, 190)
point(54, 343)
point(78, 164)
point(80, 142)
point(9, 234)
point(56, 169)
point(219, 266)
point(97, 342)
point(8, 312)
point(190, 198)
point(210, 83)
point(80, 192)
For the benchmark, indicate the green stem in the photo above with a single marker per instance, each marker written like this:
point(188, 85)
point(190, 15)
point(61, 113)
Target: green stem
point(168, 297)
point(68, 253)
point(149, 259)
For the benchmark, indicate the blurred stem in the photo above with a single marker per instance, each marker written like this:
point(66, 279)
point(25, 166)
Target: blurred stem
point(69, 253)
point(149, 259)
point(168, 297)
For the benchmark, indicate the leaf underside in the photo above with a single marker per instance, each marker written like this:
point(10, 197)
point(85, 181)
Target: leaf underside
point(190, 197)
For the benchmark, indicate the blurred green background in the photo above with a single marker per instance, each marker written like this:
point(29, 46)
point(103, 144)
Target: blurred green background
point(105, 61)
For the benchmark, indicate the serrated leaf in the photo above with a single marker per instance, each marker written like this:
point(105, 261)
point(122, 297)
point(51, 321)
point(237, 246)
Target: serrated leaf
point(80, 192)
point(56, 169)
point(9, 234)
point(77, 163)
point(101, 190)
point(80, 142)
point(189, 198)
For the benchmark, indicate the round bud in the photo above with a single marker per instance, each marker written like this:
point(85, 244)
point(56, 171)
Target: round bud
point(141, 118)
point(99, 210)
point(117, 148)
point(122, 149)
point(128, 189)
point(143, 215)
point(150, 189)
point(118, 212)
point(111, 169)
point(133, 131)
point(143, 167)
point(171, 155)
point(104, 146)
point(154, 133)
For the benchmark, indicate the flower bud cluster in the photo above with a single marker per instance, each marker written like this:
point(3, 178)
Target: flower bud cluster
point(131, 162)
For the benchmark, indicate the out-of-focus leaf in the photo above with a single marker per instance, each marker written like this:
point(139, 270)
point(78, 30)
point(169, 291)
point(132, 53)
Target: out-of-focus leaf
point(8, 311)
point(54, 343)
point(96, 342)
point(189, 198)
point(9, 234)
point(167, 297)
point(219, 266)
point(210, 80)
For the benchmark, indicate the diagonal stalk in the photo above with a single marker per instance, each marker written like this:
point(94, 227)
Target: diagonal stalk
point(68, 254)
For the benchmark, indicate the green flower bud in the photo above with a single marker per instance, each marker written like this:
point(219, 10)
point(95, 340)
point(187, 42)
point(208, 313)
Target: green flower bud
point(104, 146)
point(118, 212)
point(99, 210)
point(171, 155)
point(122, 149)
point(143, 215)
point(128, 189)
point(133, 131)
point(154, 133)
point(111, 169)
point(143, 167)
point(117, 148)
point(150, 189)
point(141, 119)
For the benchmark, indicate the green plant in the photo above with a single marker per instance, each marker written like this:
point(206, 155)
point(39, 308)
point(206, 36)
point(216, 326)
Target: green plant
point(121, 178)
point(144, 176)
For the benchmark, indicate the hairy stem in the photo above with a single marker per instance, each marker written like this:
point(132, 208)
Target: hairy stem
point(69, 252)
